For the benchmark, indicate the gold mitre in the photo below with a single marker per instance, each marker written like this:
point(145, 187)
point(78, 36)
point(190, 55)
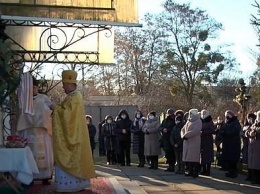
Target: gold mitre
point(69, 76)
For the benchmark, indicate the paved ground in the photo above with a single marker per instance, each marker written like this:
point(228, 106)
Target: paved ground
point(136, 180)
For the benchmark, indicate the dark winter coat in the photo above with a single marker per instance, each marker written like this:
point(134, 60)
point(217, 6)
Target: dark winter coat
point(168, 123)
point(123, 124)
point(218, 137)
point(108, 131)
point(254, 146)
point(138, 135)
point(92, 133)
point(175, 137)
point(231, 146)
point(207, 131)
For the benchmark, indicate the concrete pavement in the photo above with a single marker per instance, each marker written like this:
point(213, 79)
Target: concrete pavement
point(136, 180)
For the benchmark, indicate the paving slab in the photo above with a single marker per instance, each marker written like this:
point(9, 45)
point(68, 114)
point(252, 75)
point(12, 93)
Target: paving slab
point(132, 187)
point(134, 180)
point(196, 186)
point(177, 178)
point(159, 189)
point(204, 192)
point(134, 171)
point(148, 180)
point(117, 186)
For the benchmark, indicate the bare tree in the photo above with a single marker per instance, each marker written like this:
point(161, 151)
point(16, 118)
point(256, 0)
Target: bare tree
point(139, 53)
point(191, 60)
point(106, 80)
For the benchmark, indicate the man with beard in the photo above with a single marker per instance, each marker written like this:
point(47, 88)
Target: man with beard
point(74, 165)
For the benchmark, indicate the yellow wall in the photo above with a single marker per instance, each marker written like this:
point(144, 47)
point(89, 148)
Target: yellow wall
point(98, 10)
point(102, 42)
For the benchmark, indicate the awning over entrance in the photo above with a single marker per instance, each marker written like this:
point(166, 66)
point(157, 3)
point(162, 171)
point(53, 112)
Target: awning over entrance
point(101, 12)
point(12, 20)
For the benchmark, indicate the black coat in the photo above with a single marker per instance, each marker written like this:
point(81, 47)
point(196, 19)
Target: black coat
point(108, 132)
point(92, 132)
point(138, 136)
point(207, 131)
point(175, 137)
point(124, 124)
point(231, 146)
point(168, 123)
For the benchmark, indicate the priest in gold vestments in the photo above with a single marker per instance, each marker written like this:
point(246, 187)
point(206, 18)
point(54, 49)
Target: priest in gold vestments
point(73, 160)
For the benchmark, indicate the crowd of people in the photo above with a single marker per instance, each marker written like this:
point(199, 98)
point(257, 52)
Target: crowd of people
point(191, 141)
point(62, 138)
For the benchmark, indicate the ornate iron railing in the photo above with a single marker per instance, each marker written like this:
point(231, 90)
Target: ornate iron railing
point(57, 52)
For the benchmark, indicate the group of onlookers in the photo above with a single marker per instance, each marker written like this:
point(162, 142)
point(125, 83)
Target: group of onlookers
point(115, 137)
point(187, 140)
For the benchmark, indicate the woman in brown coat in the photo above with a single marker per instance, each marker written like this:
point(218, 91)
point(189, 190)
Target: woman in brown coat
point(152, 136)
point(191, 144)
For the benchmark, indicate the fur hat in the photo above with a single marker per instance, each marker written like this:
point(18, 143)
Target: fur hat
point(170, 111)
point(69, 76)
point(89, 117)
point(251, 115)
point(204, 114)
point(179, 118)
point(152, 113)
point(194, 111)
point(229, 112)
point(179, 112)
point(108, 117)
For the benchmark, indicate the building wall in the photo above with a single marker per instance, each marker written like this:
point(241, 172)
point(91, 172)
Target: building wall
point(124, 11)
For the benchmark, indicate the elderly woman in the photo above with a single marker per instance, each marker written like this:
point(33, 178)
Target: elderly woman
point(151, 141)
point(191, 144)
point(253, 133)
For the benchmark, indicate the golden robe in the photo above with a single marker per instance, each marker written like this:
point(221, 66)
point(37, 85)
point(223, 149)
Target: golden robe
point(71, 145)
